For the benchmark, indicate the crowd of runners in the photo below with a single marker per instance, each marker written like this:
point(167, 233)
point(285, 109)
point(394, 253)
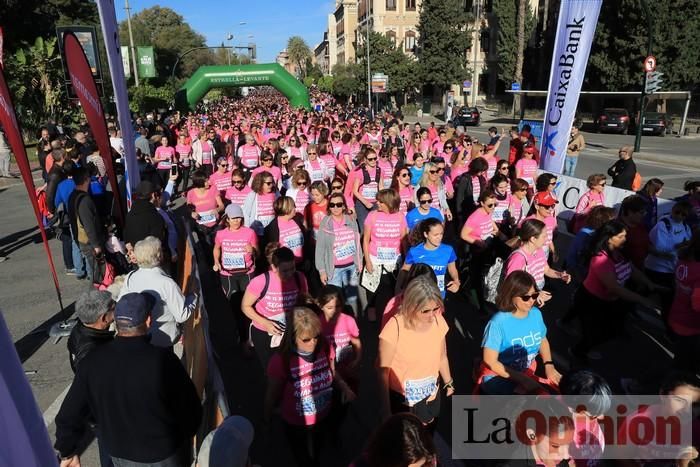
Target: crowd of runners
point(319, 224)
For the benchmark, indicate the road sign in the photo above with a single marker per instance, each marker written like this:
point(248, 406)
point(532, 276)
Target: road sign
point(650, 64)
point(653, 82)
point(466, 85)
point(380, 82)
point(515, 87)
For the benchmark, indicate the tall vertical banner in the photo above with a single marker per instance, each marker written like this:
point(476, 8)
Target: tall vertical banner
point(84, 85)
point(8, 120)
point(125, 61)
point(575, 31)
point(146, 62)
point(108, 20)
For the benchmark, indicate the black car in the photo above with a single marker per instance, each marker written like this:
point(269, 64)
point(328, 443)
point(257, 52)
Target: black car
point(656, 123)
point(467, 116)
point(613, 121)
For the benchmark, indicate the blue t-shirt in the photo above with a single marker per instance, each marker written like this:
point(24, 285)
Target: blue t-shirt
point(581, 241)
point(438, 259)
point(517, 340)
point(414, 216)
point(416, 174)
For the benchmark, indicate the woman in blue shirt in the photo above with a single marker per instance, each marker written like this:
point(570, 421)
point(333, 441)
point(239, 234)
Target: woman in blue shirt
point(429, 249)
point(513, 339)
point(423, 210)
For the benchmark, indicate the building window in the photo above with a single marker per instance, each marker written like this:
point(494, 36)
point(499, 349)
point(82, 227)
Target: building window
point(391, 35)
point(391, 4)
point(410, 42)
point(411, 5)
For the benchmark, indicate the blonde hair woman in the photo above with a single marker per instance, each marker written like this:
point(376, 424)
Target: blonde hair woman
point(305, 361)
point(432, 180)
point(413, 353)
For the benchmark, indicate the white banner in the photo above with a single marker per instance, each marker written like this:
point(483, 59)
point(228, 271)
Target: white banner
point(569, 190)
point(575, 31)
point(125, 61)
point(108, 19)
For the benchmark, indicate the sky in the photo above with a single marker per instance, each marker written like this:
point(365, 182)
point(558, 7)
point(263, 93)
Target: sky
point(271, 22)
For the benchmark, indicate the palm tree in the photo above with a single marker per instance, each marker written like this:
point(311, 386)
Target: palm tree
point(298, 52)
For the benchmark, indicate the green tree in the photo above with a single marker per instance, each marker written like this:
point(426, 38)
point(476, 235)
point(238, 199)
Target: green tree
point(388, 58)
point(299, 52)
point(444, 35)
point(325, 84)
point(345, 79)
point(170, 35)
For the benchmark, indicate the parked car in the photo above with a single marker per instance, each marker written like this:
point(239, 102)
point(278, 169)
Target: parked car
point(613, 121)
point(656, 123)
point(467, 116)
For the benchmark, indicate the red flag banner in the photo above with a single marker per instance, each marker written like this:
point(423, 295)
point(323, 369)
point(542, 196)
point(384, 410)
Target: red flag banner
point(86, 90)
point(8, 119)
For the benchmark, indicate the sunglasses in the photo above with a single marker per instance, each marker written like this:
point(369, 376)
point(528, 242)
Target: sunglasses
point(311, 153)
point(267, 160)
point(306, 340)
point(268, 183)
point(238, 182)
point(505, 167)
point(426, 201)
point(548, 208)
point(431, 310)
point(336, 205)
point(527, 298)
point(404, 175)
point(449, 147)
point(490, 205)
point(223, 165)
point(370, 159)
point(285, 157)
point(467, 144)
point(553, 183)
point(337, 187)
point(434, 171)
point(601, 184)
point(302, 183)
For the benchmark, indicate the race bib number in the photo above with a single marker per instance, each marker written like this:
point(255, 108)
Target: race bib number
point(387, 254)
point(295, 241)
point(265, 220)
point(418, 389)
point(233, 260)
point(499, 213)
point(206, 218)
point(346, 251)
point(441, 282)
point(369, 192)
point(311, 405)
point(206, 157)
point(164, 165)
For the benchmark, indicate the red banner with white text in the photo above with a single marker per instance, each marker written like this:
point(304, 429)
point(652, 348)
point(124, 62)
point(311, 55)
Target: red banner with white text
point(84, 85)
point(8, 120)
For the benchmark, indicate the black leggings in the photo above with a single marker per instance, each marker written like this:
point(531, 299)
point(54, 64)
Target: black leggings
point(601, 320)
point(261, 342)
point(234, 287)
point(384, 293)
point(306, 442)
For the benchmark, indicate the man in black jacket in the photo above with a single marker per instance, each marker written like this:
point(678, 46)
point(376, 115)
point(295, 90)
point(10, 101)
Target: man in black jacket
point(624, 169)
point(140, 396)
point(86, 224)
point(95, 309)
point(143, 220)
point(55, 176)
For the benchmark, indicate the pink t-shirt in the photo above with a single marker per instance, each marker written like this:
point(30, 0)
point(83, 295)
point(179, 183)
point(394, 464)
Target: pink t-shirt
point(183, 153)
point(601, 264)
point(457, 171)
point(234, 258)
point(237, 196)
point(344, 244)
point(220, 181)
point(316, 169)
point(502, 206)
point(205, 206)
point(493, 162)
point(476, 188)
point(308, 388)
point(387, 230)
point(527, 170)
point(338, 333)
point(274, 171)
point(369, 191)
point(516, 208)
point(436, 199)
point(481, 224)
point(301, 199)
point(165, 156)
point(292, 237)
point(266, 210)
point(249, 155)
point(588, 200)
point(534, 264)
point(406, 194)
point(329, 161)
point(550, 223)
point(589, 442)
point(206, 153)
point(387, 172)
point(279, 298)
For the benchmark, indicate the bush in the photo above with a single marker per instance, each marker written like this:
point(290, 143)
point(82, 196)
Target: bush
point(409, 109)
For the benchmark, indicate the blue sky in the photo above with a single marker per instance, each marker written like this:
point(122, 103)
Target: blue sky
point(271, 22)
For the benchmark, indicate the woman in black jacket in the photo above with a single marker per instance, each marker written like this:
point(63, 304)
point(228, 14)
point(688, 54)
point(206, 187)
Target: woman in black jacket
point(468, 187)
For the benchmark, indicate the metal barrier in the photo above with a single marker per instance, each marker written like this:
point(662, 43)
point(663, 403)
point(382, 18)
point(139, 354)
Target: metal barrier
point(198, 356)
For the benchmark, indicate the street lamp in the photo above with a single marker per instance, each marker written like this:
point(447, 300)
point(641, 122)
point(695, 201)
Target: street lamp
point(172, 74)
point(229, 37)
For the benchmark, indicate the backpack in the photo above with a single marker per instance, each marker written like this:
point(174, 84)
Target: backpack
point(263, 292)
point(366, 179)
point(495, 276)
point(41, 202)
point(637, 182)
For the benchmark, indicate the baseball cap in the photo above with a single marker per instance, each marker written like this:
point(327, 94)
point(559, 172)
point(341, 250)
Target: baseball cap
point(228, 444)
point(233, 210)
point(545, 198)
point(134, 308)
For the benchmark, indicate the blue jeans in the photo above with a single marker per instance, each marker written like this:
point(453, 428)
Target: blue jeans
point(570, 165)
point(78, 261)
point(346, 279)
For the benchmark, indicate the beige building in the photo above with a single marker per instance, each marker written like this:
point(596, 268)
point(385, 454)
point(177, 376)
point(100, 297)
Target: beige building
point(345, 17)
point(320, 55)
point(283, 59)
point(396, 19)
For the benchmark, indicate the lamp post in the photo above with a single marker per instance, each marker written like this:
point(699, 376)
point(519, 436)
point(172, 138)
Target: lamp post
point(229, 37)
point(172, 74)
point(369, 77)
point(650, 42)
point(131, 42)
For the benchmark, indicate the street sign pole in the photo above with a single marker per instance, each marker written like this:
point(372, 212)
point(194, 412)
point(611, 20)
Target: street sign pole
point(650, 26)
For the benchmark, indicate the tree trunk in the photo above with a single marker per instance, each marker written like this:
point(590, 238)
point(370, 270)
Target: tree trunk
point(520, 54)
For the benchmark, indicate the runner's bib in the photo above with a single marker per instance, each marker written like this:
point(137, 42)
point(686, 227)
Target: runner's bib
point(346, 251)
point(233, 260)
point(206, 217)
point(206, 157)
point(418, 389)
point(387, 254)
point(369, 192)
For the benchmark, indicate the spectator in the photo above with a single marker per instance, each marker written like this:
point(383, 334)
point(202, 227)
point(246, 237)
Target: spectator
point(171, 308)
point(143, 219)
point(5, 156)
point(56, 175)
point(624, 169)
point(573, 149)
point(650, 193)
point(130, 376)
point(228, 444)
point(143, 144)
point(595, 196)
point(95, 310)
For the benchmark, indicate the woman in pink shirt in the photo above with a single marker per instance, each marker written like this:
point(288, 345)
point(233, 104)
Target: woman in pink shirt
point(526, 167)
point(287, 229)
point(366, 185)
point(595, 196)
point(249, 153)
point(383, 240)
point(269, 297)
point(267, 165)
point(184, 157)
point(302, 377)
point(205, 203)
point(479, 232)
point(603, 299)
point(165, 158)
point(299, 191)
point(401, 183)
point(544, 204)
point(221, 179)
point(315, 166)
point(239, 190)
point(459, 163)
point(325, 154)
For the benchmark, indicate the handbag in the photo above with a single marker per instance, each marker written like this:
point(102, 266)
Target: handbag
point(370, 281)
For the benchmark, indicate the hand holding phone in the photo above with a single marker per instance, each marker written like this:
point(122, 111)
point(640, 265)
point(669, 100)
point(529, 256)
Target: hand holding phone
point(173, 170)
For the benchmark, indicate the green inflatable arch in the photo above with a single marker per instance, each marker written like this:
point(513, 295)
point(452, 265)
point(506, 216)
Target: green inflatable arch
point(267, 74)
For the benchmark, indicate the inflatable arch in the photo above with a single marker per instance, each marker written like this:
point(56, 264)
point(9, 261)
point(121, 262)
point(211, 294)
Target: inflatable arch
point(268, 74)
